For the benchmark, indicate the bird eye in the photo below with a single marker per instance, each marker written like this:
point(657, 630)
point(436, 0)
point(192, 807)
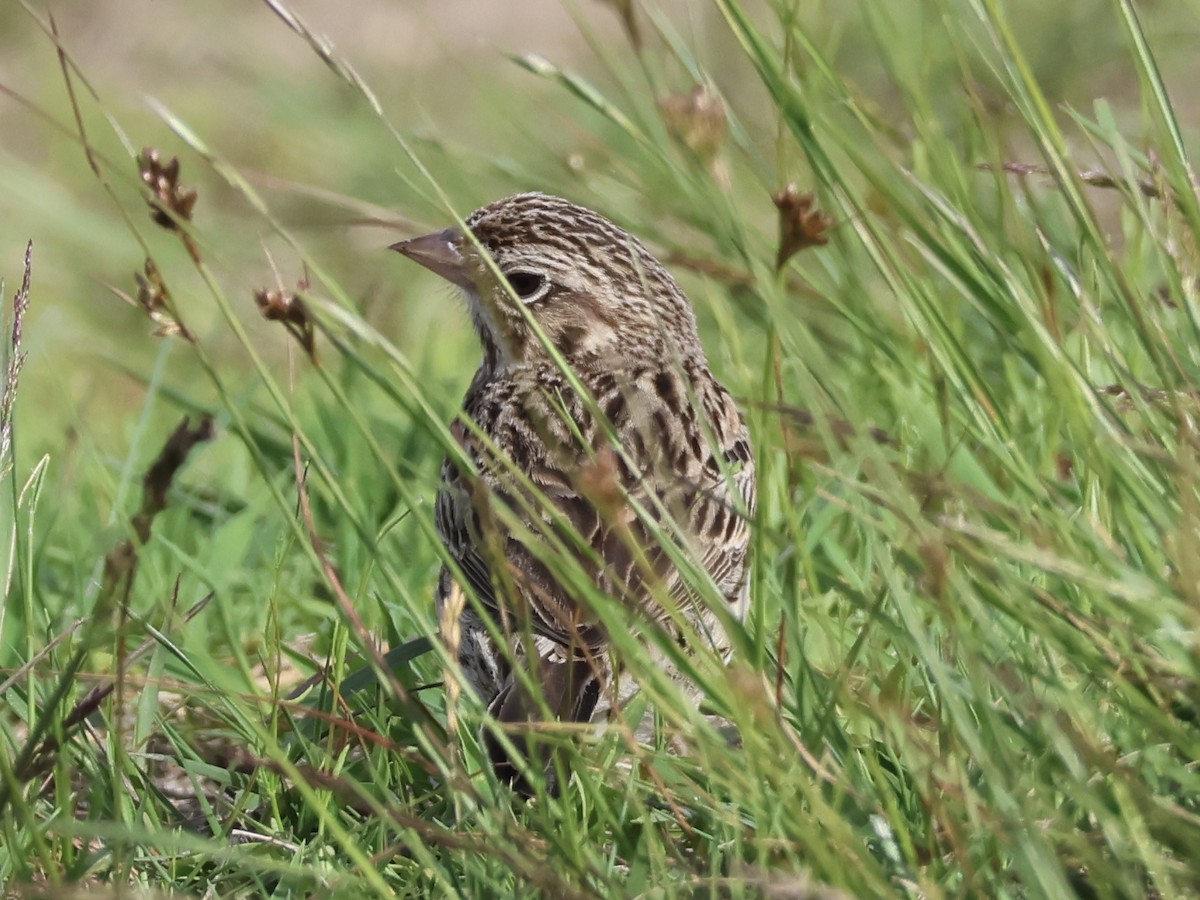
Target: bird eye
point(526, 285)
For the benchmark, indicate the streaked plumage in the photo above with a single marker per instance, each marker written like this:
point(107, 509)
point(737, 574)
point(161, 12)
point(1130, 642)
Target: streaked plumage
point(629, 335)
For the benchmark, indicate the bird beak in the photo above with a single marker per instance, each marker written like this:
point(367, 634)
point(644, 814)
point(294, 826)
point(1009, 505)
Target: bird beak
point(439, 253)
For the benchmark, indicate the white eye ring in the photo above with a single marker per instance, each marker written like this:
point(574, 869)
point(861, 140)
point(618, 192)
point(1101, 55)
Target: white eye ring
point(528, 286)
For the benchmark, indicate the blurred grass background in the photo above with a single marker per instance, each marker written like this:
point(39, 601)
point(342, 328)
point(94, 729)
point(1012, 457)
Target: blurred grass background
point(972, 669)
point(254, 90)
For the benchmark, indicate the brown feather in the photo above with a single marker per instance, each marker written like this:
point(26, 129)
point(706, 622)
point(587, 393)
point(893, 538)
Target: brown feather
point(681, 454)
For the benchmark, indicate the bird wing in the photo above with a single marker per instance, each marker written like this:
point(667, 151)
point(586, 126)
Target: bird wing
point(682, 456)
point(696, 483)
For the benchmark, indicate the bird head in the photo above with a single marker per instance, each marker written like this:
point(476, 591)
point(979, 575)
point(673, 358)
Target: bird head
point(593, 289)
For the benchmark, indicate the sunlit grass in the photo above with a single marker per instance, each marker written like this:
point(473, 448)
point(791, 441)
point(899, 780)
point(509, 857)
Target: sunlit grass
point(970, 668)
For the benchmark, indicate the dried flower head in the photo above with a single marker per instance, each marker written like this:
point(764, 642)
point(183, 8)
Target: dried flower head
point(170, 202)
point(801, 224)
point(15, 357)
point(287, 307)
point(698, 120)
point(155, 300)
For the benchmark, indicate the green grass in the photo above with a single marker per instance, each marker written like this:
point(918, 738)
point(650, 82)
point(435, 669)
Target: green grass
point(971, 665)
